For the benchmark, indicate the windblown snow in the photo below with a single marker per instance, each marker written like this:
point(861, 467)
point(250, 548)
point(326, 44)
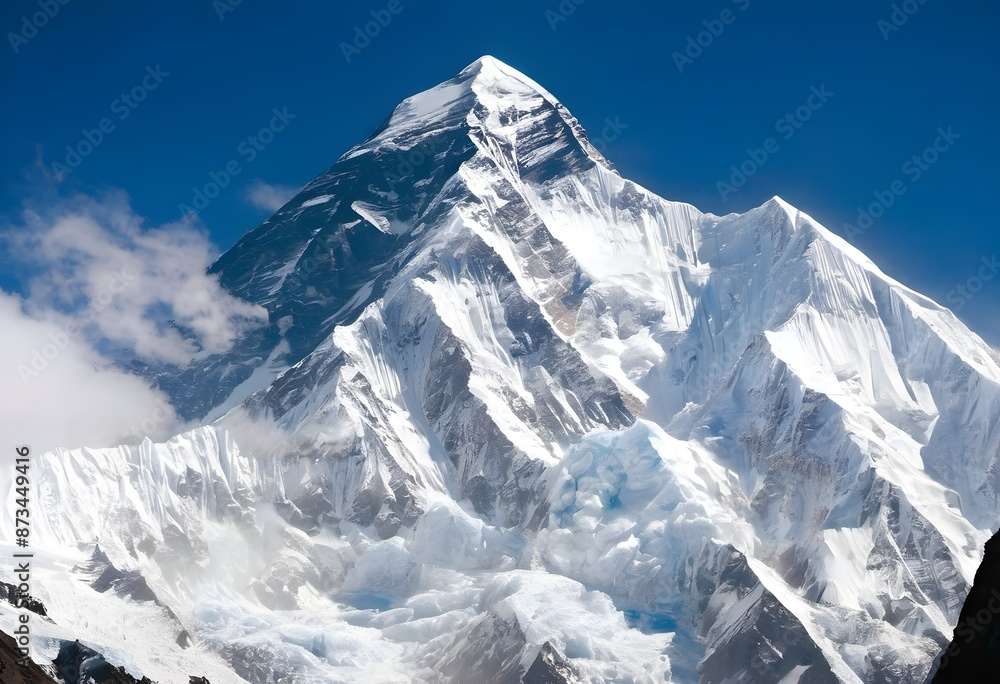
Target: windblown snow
point(519, 419)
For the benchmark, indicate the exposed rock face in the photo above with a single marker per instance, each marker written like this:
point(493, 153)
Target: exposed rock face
point(12, 671)
point(549, 667)
point(9, 593)
point(974, 652)
point(78, 664)
point(765, 637)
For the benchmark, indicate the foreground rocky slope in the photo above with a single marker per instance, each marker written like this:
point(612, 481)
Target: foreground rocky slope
point(974, 652)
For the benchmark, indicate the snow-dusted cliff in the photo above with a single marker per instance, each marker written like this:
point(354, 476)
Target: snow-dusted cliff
point(518, 418)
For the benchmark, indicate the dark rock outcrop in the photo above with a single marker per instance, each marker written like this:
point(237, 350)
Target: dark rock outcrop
point(11, 669)
point(9, 593)
point(974, 652)
point(78, 664)
point(549, 667)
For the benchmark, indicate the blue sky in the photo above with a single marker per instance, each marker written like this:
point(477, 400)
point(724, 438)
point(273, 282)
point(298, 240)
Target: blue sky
point(211, 75)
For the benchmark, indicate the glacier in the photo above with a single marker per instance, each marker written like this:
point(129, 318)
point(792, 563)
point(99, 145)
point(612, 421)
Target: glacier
point(515, 418)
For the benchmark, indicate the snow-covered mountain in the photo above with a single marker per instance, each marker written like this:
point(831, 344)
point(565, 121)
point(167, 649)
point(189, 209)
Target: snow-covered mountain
point(516, 418)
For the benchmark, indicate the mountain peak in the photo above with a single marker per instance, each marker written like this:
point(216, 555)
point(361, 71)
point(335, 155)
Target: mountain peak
point(489, 62)
point(488, 71)
point(487, 95)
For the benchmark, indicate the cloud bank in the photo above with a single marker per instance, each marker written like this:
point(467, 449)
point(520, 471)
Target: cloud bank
point(146, 289)
point(101, 284)
point(59, 392)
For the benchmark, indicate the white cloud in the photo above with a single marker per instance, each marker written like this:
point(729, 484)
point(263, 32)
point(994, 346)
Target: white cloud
point(100, 270)
point(269, 197)
point(59, 392)
point(101, 280)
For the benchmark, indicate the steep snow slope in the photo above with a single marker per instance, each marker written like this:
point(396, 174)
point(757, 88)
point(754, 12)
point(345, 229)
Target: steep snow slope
point(530, 421)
